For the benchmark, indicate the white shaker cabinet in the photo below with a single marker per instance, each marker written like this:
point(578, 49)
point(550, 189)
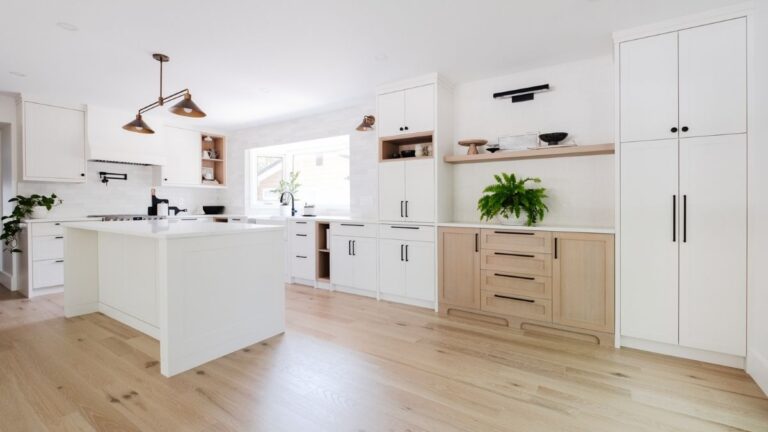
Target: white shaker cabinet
point(353, 264)
point(391, 190)
point(184, 157)
point(407, 111)
point(53, 143)
point(407, 264)
point(391, 113)
point(407, 190)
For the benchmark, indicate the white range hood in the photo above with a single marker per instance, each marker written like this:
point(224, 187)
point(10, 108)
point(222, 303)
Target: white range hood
point(108, 141)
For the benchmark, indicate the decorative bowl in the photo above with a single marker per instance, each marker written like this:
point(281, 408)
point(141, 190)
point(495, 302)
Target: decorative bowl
point(212, 210)
point(553, 138)
point(492, 149)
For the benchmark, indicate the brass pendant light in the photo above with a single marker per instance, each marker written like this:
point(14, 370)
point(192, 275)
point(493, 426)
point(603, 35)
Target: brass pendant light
point(367, 123)
point(186, 107)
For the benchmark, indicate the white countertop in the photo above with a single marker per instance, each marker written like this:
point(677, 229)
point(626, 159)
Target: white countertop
point(162, 229)
point(319, 218)
point(592, 230)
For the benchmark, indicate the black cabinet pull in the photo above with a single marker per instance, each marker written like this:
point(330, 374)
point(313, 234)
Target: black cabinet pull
point(352, 225)
point(401, 128)
point(349, 247)
point(57, 223)
point(354, 244)
point(406, 253)
point(514, 298)
point(514, 277)
point(165, 179)
point(684, 129)
point(673, 130)
point(402, 247)
point(477, 242)
point(514, 254)
point(301, 256)
point(401, 208)
point(685, 218)
point(60, 261)
point(301, 235)
point(301, 223)
point(59, 237)
point(674, 218)
point(82, 174)
point(555, 247)
point(406, 209)
point(514, 233)
point(406, 128)
point(404, 227)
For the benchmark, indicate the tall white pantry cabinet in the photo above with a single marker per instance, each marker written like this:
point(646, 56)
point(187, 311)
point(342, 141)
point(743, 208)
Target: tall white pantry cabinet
point(683, 190)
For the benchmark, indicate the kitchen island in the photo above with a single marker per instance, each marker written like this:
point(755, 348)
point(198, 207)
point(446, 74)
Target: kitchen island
point(202, 290)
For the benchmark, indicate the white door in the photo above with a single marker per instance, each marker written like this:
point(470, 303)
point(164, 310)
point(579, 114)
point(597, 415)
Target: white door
point(184, 161)
point(419, 191)
point(713, 79)
point(391, 116)
point(649, 240)
point(713, 184)
point(364, 258)
point(648, 87)
point(54, 143)
point(420, 109)
point(392, 190)
point(420, 270)
point(342, 264)
point(392, 267)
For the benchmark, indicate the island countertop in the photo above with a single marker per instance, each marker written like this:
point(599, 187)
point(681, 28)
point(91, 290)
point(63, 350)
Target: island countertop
point(169, 228)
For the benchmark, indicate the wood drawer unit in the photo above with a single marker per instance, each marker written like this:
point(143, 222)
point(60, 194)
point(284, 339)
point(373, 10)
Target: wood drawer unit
point(519, 306)
point(523, 285)
point(516, 262)
point(46, 229)
point(516, 240)
point(48, 247)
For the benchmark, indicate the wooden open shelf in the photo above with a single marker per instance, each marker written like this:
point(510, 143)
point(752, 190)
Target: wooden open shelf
point(219, 164)
point(323, 252)
point(388, 146)
point(583, 150)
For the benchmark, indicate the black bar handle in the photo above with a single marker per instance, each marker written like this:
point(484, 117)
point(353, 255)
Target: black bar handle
point(303, 223)
point(555, 247)
point(301, 235)
point(674, 218)
point(477, 242)
point(353, 225)
point(57, 223)
point(59, 237)
point(401, 208)
point(349, 247)
point(354, 243)
point(401, 253)
point(301, 256)
point(404, 227)
point(514, 277)
point(514, 233)
point(514, 254)
point(406, 209)
point(60, 261)
point(406, 253)
point(514, 298)
point(685, 218)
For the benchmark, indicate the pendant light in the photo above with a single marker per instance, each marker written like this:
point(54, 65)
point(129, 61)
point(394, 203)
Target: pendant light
point(186, 107)
point(367, 123)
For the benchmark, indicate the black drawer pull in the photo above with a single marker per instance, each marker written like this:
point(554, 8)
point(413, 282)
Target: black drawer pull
point(57, 223)
point(59, 237)
point(404, 227)
point(303, 223)
point(514, 233)
point(301, 256)
point(515, 277)
point(514, 298)
point(59, 261)
point(514, 254)
point(301, 235)
point(352, 225)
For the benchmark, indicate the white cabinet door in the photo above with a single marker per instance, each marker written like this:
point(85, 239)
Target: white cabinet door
point(184, 157)
point(420, 109)
point(420, 270)
point(649, 240)
point(419, 191)
point(648, 87)
point(54, 143)
point(392, 190)
point(713, 79)
point(392, 267)
point(342, 264)
point(364, 259)
point(713, 267)
point(391, 116)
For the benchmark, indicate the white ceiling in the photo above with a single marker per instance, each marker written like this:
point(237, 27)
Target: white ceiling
point(249, 62)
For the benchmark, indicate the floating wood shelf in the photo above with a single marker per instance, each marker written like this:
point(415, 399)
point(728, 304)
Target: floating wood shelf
point(583, 150)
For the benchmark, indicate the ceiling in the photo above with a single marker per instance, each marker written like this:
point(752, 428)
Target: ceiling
point(251, 62)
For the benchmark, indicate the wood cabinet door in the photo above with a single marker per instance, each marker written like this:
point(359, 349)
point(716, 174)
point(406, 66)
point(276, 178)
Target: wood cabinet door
point(713, 248)
point(54, 143)
point(392, 191)
point(582, 292)
point(391, 115)
point(392, 267)
point(648, 88)
point(458, 272)
point(713, 79)
point(419, 190)
point(420, 109)
point(650, 232)
point(420, 270)
point(184, 157)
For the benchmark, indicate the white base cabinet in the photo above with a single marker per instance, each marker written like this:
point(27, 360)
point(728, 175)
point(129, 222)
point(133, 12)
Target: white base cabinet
point(301, 240)
point(407, 264)
point(407, 191)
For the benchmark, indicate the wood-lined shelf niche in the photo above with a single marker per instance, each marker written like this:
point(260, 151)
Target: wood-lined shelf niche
point(323, 252)
point(389, 146)
point(582, 150)
point(218, 164)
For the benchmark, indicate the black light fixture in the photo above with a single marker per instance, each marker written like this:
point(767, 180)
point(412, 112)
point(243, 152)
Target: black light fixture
point(523, 94)
point(186, 107)
point(367, 123)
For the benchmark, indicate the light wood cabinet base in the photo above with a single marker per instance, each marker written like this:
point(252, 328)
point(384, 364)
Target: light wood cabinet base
point(528, 325)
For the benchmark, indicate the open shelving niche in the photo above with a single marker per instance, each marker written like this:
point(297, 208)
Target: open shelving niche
point(219, 164)
point(323, 252)
point(549, 152)
point(390, 146)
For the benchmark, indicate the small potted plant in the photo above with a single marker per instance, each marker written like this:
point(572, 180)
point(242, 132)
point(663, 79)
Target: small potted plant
point(291, 185)
point(509, 197)
point(34, 206)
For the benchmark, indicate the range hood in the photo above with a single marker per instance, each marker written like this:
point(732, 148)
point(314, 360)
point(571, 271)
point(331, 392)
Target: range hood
point(109, 142)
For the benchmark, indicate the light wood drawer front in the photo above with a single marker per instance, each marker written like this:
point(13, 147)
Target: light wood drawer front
point(47, 229)
point(49, 247)
point(519, 306)
point(507, 283)
point(352, 229)
point(517, 263)
point(48, 273)
point(517, 241)
point(303, 227)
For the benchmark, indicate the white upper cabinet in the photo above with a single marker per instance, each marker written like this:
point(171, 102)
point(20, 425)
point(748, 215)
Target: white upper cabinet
point(649, 88)
point(53, 141)
point(713, 79)
point(407, 111)
point(184, 157)
point(407, 190)
point(392, 191)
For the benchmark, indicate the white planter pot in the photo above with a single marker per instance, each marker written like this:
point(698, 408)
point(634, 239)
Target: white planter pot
point(512, 221)
point(39, 212)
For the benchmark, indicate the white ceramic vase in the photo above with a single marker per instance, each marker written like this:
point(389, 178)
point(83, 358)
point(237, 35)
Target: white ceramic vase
point(39, 212)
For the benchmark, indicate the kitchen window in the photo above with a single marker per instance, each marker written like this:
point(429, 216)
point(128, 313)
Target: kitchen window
point(323, 167)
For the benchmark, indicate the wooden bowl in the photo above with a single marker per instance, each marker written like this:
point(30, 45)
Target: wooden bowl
point(473, 144)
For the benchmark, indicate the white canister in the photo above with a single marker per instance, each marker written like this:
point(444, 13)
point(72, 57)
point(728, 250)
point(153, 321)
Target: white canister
point(162, 209)
point(419, 150)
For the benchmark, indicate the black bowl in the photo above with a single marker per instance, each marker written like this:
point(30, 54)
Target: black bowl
point(553, 138)
point(407, 153)
point(213, 210)
point(492, 149)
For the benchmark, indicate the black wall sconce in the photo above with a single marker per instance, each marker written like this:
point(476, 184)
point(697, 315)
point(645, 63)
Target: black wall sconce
point(107, 176)
point(523, 94)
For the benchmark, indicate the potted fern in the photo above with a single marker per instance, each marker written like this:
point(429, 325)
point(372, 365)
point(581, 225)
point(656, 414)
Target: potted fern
point(34, 206)
point(509, 197)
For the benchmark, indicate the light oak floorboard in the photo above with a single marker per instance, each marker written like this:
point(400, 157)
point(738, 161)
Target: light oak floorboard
point(349, 363)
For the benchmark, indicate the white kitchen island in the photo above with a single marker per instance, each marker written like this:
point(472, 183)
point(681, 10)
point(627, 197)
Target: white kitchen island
point(203, 290)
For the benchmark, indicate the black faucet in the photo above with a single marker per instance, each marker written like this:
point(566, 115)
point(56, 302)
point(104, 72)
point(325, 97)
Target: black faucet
point(293, 201)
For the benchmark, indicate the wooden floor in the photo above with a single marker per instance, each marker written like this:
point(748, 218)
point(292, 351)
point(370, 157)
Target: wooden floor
point(348, 363)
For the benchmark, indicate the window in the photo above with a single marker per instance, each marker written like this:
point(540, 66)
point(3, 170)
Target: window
point(323, 167)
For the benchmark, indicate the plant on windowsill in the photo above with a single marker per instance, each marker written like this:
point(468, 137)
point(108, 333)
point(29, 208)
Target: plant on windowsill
point(34, 206)
point(291, 185)
point(509, 197)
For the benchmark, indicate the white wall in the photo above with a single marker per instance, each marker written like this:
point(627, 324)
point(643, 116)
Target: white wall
point(363, 162)
point(581, 189)
point(757, 325)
